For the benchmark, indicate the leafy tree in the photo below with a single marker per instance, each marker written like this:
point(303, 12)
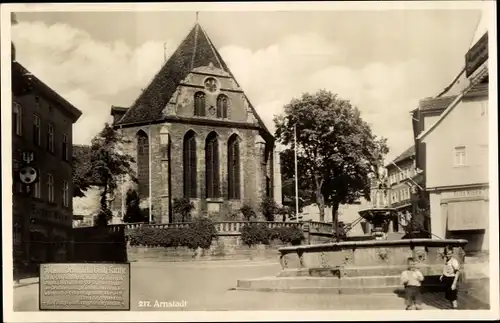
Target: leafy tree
point(182, 208)
point(133, 211)
point(81, 169)
point(306, 196)
point(107, 164)
point(336, 149)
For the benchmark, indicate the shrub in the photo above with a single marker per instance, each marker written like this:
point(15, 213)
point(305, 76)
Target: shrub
point(269, 208)
point(259, 233)
point(133, 212)
point(248, 212)
point(201, 233)
point(255, 233)
point(285, 212)
point(293, 235)
point(103, 217)
point(182, 208)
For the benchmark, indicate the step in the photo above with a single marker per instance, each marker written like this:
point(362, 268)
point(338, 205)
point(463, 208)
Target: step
point(328, 290)
point(319, 282)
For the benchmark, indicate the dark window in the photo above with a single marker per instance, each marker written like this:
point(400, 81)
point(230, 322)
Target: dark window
point(65, 147)
point(189, 154)
point(212, 166)
point(199, 104)
point(36, 129)
point(17, 118)
point(222, 103)
point(233, 164)
point(395, 224)
point(143, 163)
point(50, 137)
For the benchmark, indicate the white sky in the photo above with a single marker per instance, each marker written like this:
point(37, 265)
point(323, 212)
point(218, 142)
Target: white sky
point(383, 61)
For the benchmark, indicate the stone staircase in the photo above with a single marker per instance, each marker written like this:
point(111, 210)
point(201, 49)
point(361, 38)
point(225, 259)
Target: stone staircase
point(356, 281)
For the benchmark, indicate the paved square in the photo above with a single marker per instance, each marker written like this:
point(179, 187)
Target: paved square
point(206, 286)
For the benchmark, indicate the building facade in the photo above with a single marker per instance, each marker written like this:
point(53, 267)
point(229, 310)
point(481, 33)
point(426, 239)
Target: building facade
point(455, 154)
point(42, 123)
point(195, 134)
point(403, 190)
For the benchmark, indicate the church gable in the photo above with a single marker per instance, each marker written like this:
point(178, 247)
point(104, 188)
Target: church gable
point(210, 93)
point(194, 82)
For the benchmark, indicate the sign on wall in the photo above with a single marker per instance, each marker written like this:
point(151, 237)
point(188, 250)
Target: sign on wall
point(476, 56)
point(477, 192)
point(81, 286)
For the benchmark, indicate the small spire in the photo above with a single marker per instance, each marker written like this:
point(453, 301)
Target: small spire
point(197, 12)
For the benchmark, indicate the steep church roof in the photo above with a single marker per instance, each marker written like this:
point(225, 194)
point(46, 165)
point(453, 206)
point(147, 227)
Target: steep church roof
point(196, 50)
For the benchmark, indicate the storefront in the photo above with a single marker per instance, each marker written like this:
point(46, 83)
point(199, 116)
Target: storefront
point(465, 215)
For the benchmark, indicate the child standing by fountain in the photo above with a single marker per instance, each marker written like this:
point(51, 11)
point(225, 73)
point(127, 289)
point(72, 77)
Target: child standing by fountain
point(412, 279)
point(451, 273)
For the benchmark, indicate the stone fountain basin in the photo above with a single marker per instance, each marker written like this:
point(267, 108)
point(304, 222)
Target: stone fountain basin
point(356, 266)
point(376, 213)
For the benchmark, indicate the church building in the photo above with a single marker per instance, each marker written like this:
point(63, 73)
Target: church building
point(194, 133)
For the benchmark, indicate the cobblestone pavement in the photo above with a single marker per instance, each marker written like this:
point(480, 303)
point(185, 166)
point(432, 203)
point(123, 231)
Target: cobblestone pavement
point(206, 286)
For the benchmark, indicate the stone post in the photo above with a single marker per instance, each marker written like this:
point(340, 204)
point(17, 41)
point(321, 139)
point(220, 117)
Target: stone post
point(306, 228)
point(165, 174)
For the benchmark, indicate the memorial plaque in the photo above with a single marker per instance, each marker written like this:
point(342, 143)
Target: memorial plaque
point(84, 286)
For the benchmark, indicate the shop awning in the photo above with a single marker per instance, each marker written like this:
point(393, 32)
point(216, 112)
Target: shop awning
point(467, 215)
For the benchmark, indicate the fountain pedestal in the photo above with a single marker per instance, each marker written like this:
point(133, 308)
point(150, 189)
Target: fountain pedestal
point(379, 218)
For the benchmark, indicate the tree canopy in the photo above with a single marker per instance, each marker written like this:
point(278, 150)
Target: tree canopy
point(336, 150)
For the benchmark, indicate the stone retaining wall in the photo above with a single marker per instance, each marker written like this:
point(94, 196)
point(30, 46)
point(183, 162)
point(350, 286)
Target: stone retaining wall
point(226, 247)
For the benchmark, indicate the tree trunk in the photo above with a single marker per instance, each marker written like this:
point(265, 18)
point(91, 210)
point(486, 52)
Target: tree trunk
point(320, 199)
point(103, 198)
point(335, 219)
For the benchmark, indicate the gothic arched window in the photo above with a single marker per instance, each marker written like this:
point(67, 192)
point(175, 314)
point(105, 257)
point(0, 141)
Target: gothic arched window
point(199, 104)
point(143, 163)
point(212, 166)
point(222, 103)
point(189, 154)
point(233, 167)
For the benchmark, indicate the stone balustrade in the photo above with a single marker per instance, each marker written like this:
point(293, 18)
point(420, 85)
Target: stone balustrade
point(234, 227)
point(320, 227)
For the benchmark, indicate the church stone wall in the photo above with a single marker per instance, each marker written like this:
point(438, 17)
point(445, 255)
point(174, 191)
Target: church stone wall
point(252, 169)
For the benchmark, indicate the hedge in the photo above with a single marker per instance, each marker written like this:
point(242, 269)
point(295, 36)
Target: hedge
point(259, 233)
point(199, 234)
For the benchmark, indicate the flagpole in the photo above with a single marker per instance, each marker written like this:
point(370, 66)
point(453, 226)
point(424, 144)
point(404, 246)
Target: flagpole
point(296, 175)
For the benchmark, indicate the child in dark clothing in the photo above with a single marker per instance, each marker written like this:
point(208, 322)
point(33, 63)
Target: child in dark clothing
point(412, 280)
